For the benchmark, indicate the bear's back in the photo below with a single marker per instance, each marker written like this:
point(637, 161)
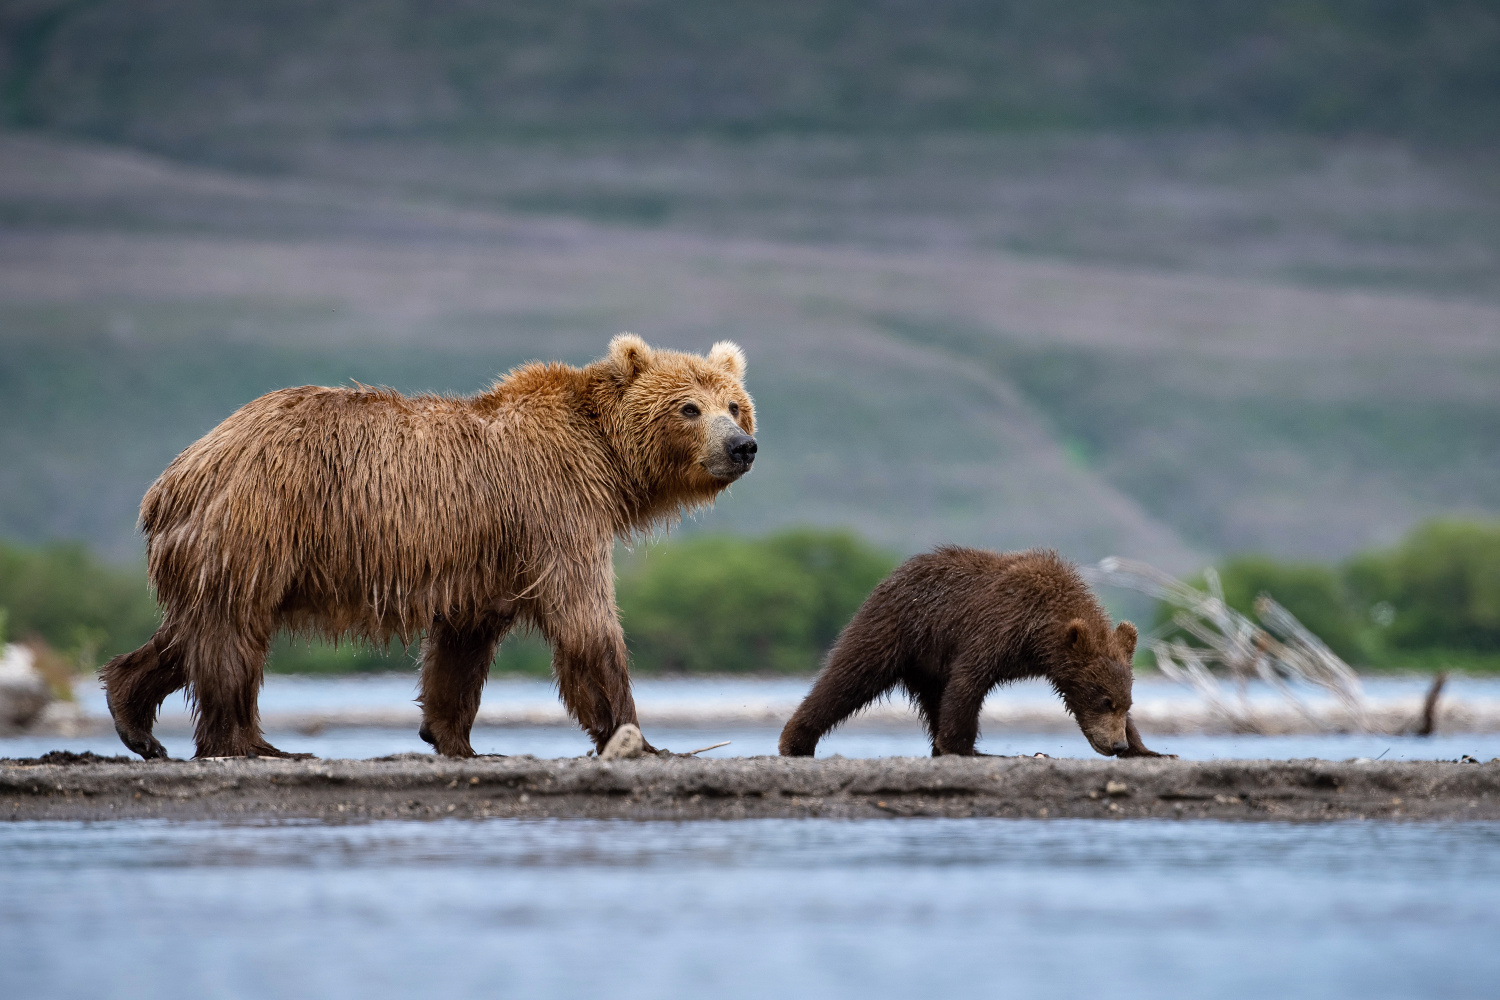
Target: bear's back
point(324, 496)
point(336, 460)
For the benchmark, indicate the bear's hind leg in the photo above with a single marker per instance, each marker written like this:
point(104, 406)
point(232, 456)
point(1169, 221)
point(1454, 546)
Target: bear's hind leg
point(135, 685)
point(225, 668)
point(455, 663)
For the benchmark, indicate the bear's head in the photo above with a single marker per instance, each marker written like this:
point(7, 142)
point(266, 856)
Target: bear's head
point(1096, 682)
point(682, 423)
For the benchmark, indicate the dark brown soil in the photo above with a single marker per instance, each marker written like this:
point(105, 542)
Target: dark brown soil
point(415, 786)
point(65, 758)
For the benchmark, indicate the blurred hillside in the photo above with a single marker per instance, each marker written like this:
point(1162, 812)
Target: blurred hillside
point(1166, 280)
point(188, 77)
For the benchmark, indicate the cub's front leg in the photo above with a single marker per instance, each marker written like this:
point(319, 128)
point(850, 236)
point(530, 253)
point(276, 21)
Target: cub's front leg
point(1137, 748)
point(958, 718)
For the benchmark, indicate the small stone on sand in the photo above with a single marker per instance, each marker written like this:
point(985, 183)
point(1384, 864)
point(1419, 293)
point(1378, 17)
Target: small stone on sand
point(626, 744)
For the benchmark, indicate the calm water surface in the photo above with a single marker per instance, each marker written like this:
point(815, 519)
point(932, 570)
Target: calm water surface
point(957, 908)
point(284, 694)
point(722, 910)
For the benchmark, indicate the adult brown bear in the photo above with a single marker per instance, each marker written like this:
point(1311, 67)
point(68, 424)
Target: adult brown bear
point(951, 625)
point(361, 512)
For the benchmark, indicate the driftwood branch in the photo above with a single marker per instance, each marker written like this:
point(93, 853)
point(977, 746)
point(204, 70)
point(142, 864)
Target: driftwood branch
point(1226, 649)
point(1428, 724)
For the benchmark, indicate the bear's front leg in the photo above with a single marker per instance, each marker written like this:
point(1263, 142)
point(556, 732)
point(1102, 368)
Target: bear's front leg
point(577, 614)
point(593, 678)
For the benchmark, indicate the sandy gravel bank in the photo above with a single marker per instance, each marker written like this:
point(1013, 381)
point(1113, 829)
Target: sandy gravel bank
point(418, 786)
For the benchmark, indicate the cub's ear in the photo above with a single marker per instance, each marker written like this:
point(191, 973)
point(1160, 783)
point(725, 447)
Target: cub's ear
point(726, 354)
point(1077, 636)
point(1125, 632)
point(629, 355)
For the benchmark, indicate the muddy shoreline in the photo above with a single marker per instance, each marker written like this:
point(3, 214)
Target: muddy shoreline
point(420, 786)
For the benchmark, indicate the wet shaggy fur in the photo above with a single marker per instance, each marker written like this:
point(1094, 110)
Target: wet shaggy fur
point(947, 627)
point(363, 513)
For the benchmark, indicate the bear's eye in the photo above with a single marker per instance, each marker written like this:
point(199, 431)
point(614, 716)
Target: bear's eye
point(1109, 703)
point(690, 411)
point(734, 409)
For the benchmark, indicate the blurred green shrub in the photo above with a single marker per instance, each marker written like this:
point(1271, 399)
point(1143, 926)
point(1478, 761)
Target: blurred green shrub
point(521, 653)
point(717, 603)
point(720, 603)
point(302, 656)
point(85, 609)
point(1433, 601)
point(1438, 589)
point(1316, 594)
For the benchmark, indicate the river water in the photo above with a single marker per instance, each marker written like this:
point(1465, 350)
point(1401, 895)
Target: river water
point(283, 695)
point(764, 908)
point(817, 908)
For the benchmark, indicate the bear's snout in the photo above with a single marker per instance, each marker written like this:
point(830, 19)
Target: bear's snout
point(1121, 746)
point(741, 449)
point(729, 450)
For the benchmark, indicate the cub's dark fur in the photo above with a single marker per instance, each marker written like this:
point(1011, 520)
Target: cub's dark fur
point(950, 625)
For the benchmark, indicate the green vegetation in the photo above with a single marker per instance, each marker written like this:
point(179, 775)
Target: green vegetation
point(710, 603)
point(83, 608)
point(1429, 603)
point(718, 603)
point(1441, 586)
point(1317, 594)
point(521, 653)
point(713, 603)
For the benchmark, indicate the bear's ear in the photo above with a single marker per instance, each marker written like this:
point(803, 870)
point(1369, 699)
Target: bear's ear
point(629, 355)
point(1077, 636)
point(726, 354)
point(1127, 635)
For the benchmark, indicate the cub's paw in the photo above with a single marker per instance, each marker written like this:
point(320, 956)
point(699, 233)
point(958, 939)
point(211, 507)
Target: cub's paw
point(1143, 752)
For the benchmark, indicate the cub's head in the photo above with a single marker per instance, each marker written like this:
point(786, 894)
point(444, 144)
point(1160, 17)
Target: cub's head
point(1096, 681)
point(683, 422)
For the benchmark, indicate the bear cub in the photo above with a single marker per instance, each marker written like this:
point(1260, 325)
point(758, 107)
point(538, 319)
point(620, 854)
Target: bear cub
point(949, 626)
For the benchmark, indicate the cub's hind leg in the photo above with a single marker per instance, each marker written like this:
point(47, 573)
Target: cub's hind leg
point(847, 684)
point(927, 696)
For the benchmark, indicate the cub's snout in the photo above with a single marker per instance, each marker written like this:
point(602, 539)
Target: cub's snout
point(1106, 733)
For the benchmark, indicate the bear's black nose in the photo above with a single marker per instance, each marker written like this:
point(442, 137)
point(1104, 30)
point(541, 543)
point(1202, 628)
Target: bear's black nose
point(1121, 746)
point(741, 448)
